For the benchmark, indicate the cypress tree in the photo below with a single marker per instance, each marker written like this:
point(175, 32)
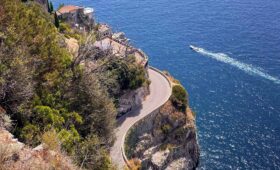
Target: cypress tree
point(50, 8)
point(56, 20)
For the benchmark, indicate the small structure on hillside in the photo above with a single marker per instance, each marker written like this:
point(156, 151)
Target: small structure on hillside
point(122, 50)
point(115, 47)
point(104, 30)
point(78, 17)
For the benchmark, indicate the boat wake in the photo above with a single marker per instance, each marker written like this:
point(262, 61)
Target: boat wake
point(233, 62)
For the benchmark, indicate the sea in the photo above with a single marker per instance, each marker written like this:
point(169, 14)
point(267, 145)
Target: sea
point(233, 79)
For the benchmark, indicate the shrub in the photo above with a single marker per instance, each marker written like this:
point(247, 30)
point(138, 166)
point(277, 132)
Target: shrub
point(166, 128)
point(5, 121)
point(50, 117)
point(91, 154)
point(179, 97)
point(64, 28)
point(69, 138)
point(30, 134)
point(129, 74)
point(179, 134)
point(134, 164)
point(50, 139)
point(165, 146)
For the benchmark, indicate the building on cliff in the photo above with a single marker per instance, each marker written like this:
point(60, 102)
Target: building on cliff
point(78, 17)
point(104, 30)
point(121, 50)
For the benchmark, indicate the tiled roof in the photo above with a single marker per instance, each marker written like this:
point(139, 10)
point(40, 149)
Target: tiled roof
point(68, 8)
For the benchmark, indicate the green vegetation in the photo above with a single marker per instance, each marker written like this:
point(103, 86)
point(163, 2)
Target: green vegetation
point(66, 30)
point(166, 146)
point(56, 20)
point(50, 139)
point(134, 164)
point(166, 128)
point(93, 154)
point(50, 7)
point(179, 97)
point(121, 74)
point(49, 96)
point(130, 76)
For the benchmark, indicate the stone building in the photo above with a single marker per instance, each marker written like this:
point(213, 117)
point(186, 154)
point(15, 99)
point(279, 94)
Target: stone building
point(78, 17)
point(122, 50)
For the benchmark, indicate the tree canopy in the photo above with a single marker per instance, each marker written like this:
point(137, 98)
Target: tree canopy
point(47, 92)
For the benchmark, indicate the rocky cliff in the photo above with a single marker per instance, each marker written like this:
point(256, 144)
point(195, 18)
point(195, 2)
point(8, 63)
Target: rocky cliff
point(166, 139)
point(132, 99)
point(14, 155)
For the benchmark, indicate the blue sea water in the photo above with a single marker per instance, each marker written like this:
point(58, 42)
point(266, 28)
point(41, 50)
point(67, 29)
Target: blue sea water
point(238, 110)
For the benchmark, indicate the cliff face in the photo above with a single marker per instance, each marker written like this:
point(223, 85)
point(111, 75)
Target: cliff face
point(166, 139)
point(14, 155)
point(132, 99)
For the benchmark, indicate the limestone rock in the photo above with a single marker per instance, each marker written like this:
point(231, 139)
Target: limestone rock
point(179, 164)
point(159, 159)
point(166, 139)
point(132, 99)
point(17, 156)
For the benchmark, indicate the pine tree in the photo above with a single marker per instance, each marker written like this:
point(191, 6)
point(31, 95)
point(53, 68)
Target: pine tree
point(50, 8)
point(56, 20)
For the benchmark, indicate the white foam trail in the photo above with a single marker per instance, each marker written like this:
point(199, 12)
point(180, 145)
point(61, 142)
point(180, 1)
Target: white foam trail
point(242, 66)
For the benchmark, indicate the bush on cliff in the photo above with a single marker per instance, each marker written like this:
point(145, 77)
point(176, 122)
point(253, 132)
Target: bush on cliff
point(129, 75)
point(119, 75)
point(92, 153)
point(179, 97)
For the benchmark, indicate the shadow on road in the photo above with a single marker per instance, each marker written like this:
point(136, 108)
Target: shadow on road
point(133, 113)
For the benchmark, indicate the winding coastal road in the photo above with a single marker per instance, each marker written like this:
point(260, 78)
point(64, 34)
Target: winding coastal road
point(160, 91)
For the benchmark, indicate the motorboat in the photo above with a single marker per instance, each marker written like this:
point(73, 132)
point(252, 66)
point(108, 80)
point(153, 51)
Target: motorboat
point(197, 49)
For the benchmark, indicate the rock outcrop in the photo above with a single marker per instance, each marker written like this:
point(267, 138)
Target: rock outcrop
point(14, 155)
point(132, 99)
point(165, 139)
